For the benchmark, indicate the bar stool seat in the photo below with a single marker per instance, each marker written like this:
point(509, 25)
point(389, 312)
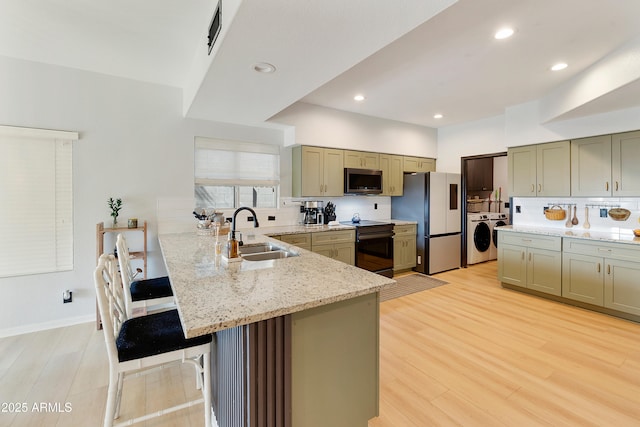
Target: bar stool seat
point(149, 294)
point(153, 334)
point(148, 289)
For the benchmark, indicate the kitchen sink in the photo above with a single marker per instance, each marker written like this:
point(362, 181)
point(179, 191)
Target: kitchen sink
point(273, 254)
point(261, 247)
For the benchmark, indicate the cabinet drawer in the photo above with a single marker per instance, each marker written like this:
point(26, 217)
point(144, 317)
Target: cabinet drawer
point(343, 236)
point(608, 250)
point(530, 240)
point(405, 229)
point(302, 240)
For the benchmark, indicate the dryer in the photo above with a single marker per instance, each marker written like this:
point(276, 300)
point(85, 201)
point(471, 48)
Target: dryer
point(478, 237)
point(496, 220)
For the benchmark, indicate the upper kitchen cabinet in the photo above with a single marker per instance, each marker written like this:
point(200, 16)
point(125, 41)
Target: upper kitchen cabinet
point(361, 160)
point(479, 174)
point(606, 165)
point(418, 164)
point(591, 166)
point(540, 170)
point(317, 172)
point(392, 180)
point(625, 157)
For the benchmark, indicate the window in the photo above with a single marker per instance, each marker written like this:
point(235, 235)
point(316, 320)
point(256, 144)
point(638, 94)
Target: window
point(230, 174)
point(36, 201)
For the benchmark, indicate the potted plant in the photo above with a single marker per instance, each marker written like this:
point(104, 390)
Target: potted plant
point(115, 206)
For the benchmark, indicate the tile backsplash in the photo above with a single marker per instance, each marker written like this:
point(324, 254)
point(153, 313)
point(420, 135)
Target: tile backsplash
point(531, 212)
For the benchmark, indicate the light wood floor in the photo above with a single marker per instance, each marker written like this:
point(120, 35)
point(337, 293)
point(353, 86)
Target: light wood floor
point(465, 354)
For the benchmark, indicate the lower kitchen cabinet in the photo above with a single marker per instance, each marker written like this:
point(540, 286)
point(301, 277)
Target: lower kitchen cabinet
point(404, 247)
point(530, 261)
point(603, 274)
point(301, 240)
point(339, 245)
point(582, 278)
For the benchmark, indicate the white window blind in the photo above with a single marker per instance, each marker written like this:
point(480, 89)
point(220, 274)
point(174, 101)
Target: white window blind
point(220, 162)
point(230, 174)
point(36, 201)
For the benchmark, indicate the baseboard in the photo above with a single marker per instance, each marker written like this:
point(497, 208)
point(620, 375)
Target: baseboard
point(36, 327)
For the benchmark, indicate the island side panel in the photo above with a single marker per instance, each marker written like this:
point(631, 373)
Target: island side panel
point(335, 363)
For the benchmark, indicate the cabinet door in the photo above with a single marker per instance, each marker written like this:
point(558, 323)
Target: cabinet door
point(479, 174)
point(427, 165)
point(333, 172)
point(326, 250)
point(544, 271)
point(582, 278)
point(392, 179)
point(312, 171)
point(404, 252)
point(345, 252)
point(521, 163)
point(371, 160)
point(512, 265)
point(591, 166)
point(621, 287)
point(353, 159)
point(553, 163)
point(625, 158)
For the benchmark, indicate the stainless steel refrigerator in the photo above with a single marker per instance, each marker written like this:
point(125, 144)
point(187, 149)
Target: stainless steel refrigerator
point(432, 199)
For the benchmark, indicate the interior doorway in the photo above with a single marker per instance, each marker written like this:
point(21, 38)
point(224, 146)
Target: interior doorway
point(484, 189)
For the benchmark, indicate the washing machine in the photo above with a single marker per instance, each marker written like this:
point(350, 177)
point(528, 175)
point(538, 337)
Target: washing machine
point(496, 220)
point(478, 237)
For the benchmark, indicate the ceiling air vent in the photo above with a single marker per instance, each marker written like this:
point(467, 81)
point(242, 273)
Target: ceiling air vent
point(214, 28)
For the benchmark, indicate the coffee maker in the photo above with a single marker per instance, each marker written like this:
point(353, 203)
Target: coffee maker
point(313, 213)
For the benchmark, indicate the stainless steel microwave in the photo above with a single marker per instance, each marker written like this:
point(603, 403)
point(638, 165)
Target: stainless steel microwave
point(362, 181)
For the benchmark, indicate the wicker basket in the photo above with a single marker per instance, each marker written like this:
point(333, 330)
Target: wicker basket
point(555, 213)
point(618, 214)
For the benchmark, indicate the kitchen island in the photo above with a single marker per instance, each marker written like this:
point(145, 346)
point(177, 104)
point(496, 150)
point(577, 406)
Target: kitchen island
point(296, 339)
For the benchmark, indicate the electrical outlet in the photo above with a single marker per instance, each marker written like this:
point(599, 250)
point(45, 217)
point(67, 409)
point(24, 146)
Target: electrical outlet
point(67, 296)
point(419, 259)
point(271, 218)
point(375, 206)
point(518, 209)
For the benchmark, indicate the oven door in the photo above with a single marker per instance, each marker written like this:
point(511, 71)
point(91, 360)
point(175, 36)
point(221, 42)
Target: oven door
point(374, 252)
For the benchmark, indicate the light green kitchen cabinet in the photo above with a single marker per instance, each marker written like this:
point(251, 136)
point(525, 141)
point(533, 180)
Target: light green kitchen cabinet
point(625, 161)
point(404, 247)
point(540, 170)
point(301, 240)
point(591, 166)
point(603, 274)
point(582, 278)
point(361, 160)
point(317, 171)
point(338, 245)
point(621, 285)
point(418, 164)
point(392, 174)
point(606, 165)
point(530, 261)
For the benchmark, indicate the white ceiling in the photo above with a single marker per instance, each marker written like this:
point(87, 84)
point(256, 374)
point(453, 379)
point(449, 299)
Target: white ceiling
point(407, 57)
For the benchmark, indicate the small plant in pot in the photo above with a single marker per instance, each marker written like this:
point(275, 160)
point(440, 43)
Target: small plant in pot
point(115, 206)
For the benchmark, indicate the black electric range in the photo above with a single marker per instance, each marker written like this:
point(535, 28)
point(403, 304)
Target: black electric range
point(374, 246)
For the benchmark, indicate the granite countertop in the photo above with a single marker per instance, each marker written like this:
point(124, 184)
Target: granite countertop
point(577, 233)
point(212, 295)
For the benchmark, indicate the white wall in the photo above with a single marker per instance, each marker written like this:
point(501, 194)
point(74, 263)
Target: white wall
point(521, 125)
point(326, 127)
point(134, 144)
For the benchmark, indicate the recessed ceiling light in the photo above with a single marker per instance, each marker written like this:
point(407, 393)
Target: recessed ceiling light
point(559, 66)
point(264, 67)
point(438, 116)
point(503, 33)
point(359, 97)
